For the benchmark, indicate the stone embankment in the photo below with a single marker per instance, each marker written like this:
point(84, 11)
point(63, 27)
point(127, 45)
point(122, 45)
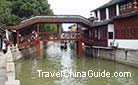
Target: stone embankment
point(124, 56)
point(7, 66)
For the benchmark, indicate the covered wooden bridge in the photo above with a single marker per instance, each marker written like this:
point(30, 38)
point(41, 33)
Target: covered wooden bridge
point(28, 31)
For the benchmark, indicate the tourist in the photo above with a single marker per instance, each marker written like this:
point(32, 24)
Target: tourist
point(10, 43)
point(4, 45)
point(21, 39)
point(34, 35)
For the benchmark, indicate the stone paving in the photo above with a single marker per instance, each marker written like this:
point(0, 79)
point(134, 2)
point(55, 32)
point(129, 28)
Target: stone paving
point(2, 69)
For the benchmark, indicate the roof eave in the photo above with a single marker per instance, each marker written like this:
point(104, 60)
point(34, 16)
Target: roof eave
point(110, 3)
point(105, 22)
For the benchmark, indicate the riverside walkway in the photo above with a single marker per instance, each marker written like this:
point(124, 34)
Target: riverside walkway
point(2, 69)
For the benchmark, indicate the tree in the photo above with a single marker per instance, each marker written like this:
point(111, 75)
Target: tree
point(48, 27)
point(5, 14)
point(13, 11)
point(28, 8)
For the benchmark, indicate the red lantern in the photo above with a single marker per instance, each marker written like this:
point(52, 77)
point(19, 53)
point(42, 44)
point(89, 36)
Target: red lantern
point(135, 3)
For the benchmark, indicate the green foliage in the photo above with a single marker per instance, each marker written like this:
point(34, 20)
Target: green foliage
point(13, 11)
point(48, 27)
point(27, 8)
point(6, 17)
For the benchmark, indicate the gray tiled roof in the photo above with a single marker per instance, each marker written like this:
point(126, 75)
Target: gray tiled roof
point(58, 17)
point(112, 2)
point(53, 19)
point(105, 22)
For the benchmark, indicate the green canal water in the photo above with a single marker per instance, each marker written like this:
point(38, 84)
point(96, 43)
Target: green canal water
point(61, 62)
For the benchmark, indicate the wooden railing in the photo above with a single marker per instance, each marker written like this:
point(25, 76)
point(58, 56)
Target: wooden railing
point(70, 35)
point(127, 10)
point(48, 36)
point(26, 39)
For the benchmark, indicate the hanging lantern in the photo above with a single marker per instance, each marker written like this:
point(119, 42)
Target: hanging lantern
point(135, 5)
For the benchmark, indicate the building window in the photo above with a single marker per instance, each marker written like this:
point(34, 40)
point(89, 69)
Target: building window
point(112, 11)
point(103, 14)
point(110, 35)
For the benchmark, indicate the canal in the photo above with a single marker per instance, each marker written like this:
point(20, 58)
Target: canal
point(62, 67)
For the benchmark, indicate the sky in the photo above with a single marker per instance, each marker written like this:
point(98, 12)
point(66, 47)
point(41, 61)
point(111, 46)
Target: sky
point(75, 7)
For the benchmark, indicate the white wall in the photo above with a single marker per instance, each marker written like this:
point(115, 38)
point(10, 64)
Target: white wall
point(110, 29)
point(122, 43)
point(107, 13)
point(129, 44)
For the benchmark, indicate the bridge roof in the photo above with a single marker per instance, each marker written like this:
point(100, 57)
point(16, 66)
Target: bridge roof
point(52, 19)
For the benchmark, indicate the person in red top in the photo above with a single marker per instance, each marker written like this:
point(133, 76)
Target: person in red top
point(10, 43)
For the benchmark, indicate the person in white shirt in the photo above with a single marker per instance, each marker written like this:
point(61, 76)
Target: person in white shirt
point(4, 45)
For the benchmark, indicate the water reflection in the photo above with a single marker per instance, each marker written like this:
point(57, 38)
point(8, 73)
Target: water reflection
point(61, 60)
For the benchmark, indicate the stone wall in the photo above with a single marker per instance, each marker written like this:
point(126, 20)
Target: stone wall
point(129, 57)
point(124, 56)
point(10, 69)
point(16, 54)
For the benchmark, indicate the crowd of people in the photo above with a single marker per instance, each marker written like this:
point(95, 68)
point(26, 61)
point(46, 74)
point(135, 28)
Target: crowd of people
point(6, 42)
point(33, 36)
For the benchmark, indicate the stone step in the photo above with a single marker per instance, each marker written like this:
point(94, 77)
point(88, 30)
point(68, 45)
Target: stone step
point(14, 82)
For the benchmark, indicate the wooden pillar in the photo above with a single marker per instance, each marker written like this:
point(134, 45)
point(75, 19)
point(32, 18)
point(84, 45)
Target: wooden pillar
point(17, 37)
point(38, 49)
point(79, 43)
point(38, 29)
point(38, 52)
point(79, 48)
